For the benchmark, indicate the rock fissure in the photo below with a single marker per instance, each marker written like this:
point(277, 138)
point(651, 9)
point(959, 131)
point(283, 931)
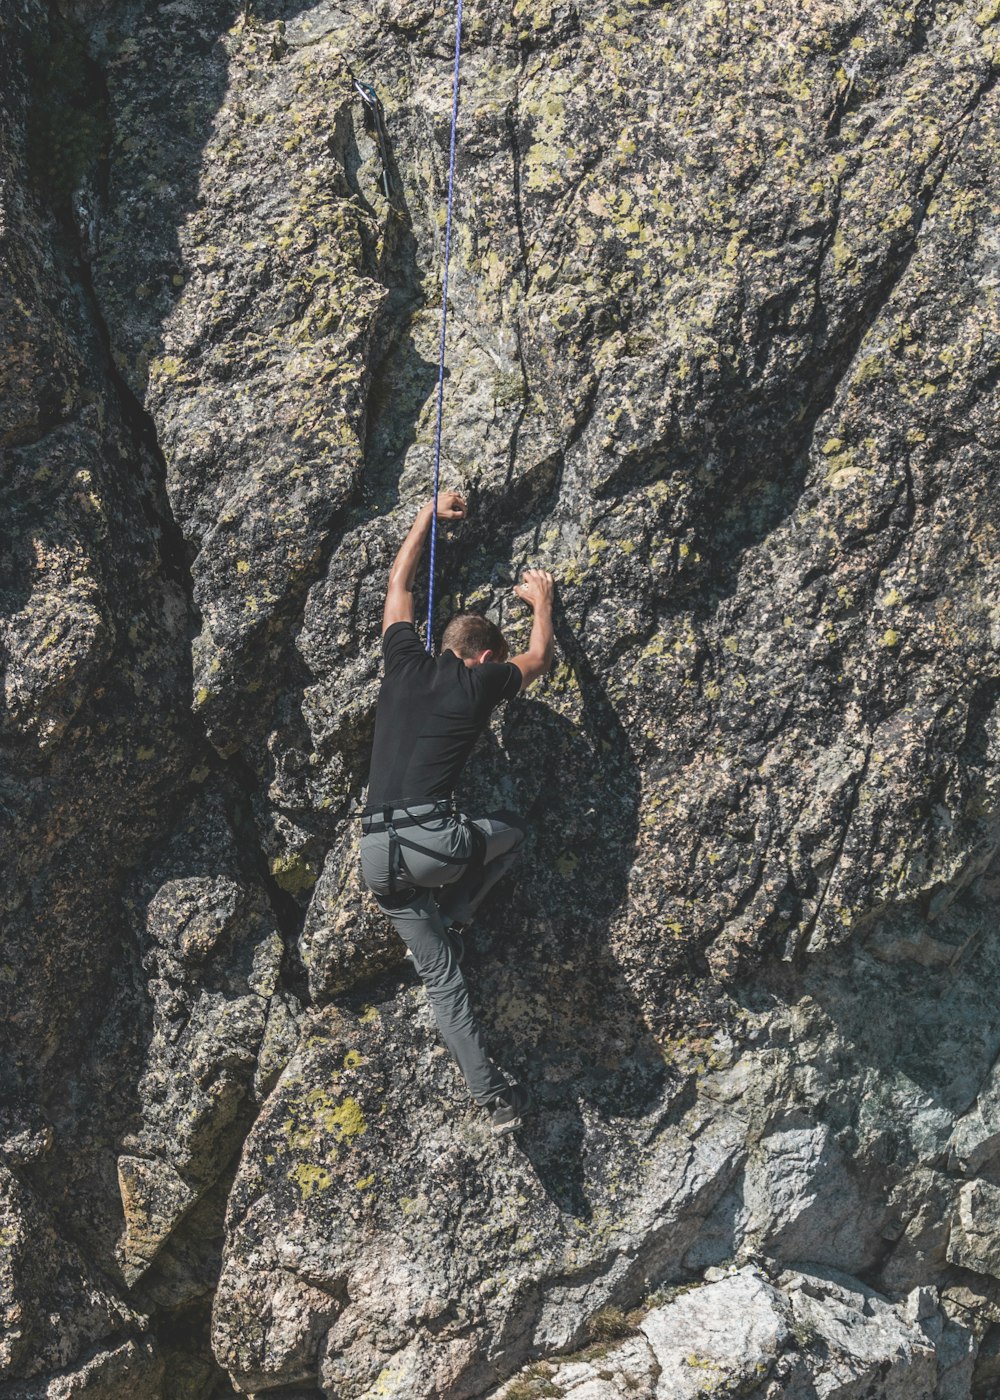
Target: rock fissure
point(175, 553)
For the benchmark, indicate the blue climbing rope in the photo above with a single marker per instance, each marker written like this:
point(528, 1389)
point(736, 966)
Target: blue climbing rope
point(444, 324)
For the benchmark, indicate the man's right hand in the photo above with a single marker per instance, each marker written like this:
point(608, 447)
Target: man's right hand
point(450, 506)
point(536, 589)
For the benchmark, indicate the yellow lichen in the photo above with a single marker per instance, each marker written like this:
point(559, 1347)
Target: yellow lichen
point(293, 873)
point(309, 1178)
point(346, 1120)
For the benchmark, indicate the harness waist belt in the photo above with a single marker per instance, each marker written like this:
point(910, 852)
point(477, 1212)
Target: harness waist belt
point(413, 814)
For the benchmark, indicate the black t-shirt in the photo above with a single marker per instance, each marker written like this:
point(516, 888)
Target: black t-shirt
point(431, 710)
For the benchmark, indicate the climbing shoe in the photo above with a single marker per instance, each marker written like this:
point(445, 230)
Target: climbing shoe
point(509, 1109)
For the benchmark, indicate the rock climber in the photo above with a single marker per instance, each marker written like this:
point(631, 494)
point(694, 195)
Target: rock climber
point(428, 865)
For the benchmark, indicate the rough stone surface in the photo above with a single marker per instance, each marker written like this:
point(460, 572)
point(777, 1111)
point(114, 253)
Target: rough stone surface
point(344, 939)
point(723, 1337)
point(362, 1280)
point(804, 1336)
point(213, 959)
point(723, 353)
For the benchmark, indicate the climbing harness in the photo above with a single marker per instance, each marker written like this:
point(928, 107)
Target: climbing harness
point(374, 108)
point(444, 325)
point(385, 819)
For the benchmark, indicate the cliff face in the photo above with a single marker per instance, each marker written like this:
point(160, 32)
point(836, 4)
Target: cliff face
point(723, 354)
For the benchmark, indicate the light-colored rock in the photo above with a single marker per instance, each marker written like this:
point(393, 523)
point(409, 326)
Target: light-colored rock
point(628, 1371)
point(975, 1229)
point(130, 1371)
point(923, 1204)
point(956, 1354)
point(869, 1349)
point(213, 955)
point(721, 1339)
point(805, 1336)
point(800, 1202)
point(976, 1138)
point(344, 936)
point(54, 1309)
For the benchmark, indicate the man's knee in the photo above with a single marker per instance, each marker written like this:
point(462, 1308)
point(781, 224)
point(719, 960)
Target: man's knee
point(438, 969)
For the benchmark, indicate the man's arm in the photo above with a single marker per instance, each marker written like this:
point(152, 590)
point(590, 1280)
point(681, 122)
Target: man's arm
point(536, 590)
point(399, 592)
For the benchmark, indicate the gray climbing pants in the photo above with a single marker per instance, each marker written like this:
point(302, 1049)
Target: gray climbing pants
point(463, 858)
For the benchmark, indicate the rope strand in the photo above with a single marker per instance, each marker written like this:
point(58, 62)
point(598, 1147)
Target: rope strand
point(444, 325)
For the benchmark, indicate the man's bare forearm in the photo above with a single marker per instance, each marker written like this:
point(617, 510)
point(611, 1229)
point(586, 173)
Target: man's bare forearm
point(537, 590)
point(404, 566)
point(399, 592)
point(541, 643)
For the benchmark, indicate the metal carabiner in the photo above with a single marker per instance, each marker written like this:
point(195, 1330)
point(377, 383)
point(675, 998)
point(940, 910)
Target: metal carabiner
point(373, 105)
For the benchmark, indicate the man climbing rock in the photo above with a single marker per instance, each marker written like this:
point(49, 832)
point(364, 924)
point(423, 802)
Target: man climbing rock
point(430, 712)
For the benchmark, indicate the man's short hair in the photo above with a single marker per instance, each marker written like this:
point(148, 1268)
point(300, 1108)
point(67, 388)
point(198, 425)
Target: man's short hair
point(470, 634)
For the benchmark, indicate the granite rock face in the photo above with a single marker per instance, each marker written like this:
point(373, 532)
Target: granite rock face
point(724, 340)
point(740, 1335)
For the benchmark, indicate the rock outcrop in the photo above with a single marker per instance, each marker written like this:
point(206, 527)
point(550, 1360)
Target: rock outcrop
point(741, 1335)
point(723, 354)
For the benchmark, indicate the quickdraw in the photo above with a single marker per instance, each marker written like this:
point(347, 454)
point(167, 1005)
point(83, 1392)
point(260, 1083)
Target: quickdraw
point(374, 108)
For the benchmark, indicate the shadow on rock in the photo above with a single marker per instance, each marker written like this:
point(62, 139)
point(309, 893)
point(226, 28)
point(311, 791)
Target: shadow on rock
point(544, 980)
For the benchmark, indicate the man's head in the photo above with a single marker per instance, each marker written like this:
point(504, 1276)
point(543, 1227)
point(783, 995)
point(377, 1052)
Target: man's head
point(474, 639)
